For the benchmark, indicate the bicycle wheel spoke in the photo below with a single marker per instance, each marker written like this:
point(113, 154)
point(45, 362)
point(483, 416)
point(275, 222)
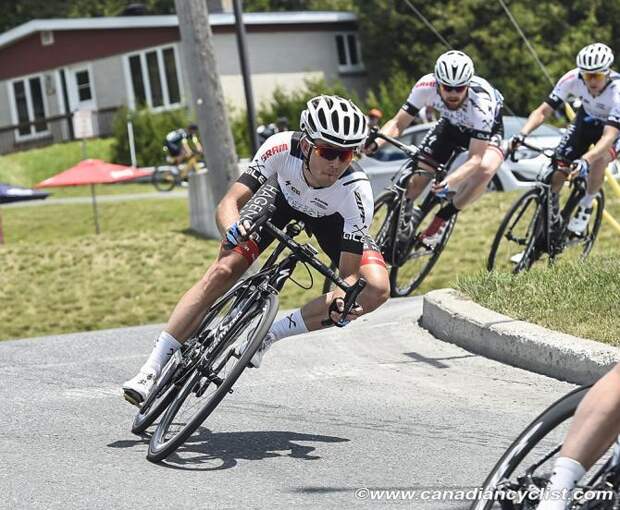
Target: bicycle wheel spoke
point(415, 259)
point(238, 322)
point(512, 247)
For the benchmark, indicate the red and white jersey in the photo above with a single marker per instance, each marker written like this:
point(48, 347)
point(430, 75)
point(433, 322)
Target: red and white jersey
point(477, 113)
point(350, 196)
point(605, 107)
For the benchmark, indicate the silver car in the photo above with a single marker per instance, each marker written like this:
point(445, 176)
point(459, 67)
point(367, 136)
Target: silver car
point(510, 176)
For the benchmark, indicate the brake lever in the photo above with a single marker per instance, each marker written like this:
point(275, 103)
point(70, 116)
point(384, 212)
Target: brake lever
point(350, 298)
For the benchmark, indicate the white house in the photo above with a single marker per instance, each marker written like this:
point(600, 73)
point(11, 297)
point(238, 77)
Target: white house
point(50, 68)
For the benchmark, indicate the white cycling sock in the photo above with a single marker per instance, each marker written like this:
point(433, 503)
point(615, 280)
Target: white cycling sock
point(292, 324)
point(165, 346)
point(586, 201)
point(566, 473)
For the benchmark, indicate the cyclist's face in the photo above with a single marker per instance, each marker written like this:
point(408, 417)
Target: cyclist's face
point(595, 81)
point(452, 96)
point(327, 163)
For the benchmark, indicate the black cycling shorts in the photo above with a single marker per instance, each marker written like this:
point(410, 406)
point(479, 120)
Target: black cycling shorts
point(441, 142)
point(583, 132)
point(174, 149)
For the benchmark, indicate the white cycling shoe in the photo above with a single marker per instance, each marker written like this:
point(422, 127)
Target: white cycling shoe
point(137, 389)
point(517, 257)
point(257, 359)
point(578, 223)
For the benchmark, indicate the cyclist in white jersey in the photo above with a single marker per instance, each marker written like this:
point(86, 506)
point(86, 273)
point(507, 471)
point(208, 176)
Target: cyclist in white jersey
point(471, 119)
point(310, 176)
point(597, 122)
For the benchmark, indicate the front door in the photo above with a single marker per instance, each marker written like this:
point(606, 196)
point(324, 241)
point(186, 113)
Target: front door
point(81, 90)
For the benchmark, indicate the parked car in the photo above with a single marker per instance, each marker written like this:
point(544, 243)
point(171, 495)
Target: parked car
point(511, 175)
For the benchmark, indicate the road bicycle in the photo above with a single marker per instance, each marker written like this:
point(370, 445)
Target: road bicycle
point(397, 225)
point(204, 370)
point(167, 177)
point(523, 471)
point(531, 229)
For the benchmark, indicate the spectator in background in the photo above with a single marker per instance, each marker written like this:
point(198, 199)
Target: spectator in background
point(374, 117)
point(426, 115)
point(265, 131)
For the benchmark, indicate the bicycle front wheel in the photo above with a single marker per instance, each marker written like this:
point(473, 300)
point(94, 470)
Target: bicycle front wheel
point(525, 467)
point(165, 178)
point(512, 246)
point(416, 259)
point(214, 375)
point(580, 246)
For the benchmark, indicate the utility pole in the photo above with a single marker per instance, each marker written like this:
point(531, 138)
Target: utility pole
point(208, 102)
point(242, 46)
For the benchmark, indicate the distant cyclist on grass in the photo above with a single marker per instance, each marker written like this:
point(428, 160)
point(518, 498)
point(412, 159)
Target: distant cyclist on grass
point(181, 144)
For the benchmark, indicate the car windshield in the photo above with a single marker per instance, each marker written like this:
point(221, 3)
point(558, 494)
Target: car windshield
point(512, 126)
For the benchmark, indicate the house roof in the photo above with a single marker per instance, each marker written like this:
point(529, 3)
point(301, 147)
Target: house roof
point(216, 19)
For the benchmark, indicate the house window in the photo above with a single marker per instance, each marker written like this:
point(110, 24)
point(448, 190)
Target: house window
point(348, 48)
point(29, 106)
point(82, 80)
point(154, 78)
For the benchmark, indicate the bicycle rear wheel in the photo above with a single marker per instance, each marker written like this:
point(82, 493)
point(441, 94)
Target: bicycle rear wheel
point(525, 467)
point(515, 235)
point(416, 259)
point(214, 375)
point(165, 178)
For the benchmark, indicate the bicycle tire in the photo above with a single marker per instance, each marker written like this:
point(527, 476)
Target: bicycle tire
point(165, 389)
point(547, 421)
point(567, 212)
point(519, 205)
point(403, 291)
point(158, 449)
point(164, 179)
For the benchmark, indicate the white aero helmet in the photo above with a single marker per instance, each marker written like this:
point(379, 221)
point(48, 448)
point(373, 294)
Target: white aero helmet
point(334, 120)
point(594, 58)
point(454, 69)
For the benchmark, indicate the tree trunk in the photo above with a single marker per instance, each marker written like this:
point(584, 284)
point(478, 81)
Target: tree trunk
point(208, 103)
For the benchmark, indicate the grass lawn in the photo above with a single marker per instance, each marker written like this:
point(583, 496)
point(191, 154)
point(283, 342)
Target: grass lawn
point(573, 297)
point(58, 276)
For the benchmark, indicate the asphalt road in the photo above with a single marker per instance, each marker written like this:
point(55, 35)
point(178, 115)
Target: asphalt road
point(379, 404)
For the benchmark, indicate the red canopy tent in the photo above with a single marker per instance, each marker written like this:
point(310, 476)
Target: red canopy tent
point(91, 172)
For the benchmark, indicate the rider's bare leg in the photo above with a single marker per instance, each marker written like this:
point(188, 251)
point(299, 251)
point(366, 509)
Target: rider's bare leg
point(597, 421)
point(220, 277)
point(475, 185)
point(418, 182)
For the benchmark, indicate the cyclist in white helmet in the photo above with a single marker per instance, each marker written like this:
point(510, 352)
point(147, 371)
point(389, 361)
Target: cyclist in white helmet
point(471, 119)
point(310, 176)
point(597, 122)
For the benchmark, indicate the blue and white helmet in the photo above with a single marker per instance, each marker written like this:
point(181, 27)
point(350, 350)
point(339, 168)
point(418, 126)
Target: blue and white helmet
point(334, 120)
point(454, 69)
point(596, 57)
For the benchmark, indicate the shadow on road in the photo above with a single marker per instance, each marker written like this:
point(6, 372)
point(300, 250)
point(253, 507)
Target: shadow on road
point(208, 451)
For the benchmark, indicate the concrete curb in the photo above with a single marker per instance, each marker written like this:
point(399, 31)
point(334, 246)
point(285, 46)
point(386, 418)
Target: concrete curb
point(452, 318)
